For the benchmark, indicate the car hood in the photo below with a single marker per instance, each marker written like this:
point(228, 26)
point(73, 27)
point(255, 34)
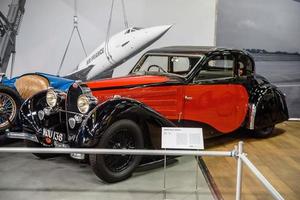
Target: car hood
point(128, 81)
point(54, 81)
point(57, 82)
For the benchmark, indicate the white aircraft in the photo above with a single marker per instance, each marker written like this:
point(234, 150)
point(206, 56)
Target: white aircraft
point(118, 49)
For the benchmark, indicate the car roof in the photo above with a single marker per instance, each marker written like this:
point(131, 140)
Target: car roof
point(190, 49)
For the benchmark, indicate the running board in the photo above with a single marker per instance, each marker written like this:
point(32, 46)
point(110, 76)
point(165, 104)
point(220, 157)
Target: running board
point(22, 136)
point(150, 165)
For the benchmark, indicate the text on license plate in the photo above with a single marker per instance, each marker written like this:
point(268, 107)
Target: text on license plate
point(53, 134)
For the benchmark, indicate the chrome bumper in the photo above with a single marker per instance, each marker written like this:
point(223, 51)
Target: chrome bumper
point(21, 135)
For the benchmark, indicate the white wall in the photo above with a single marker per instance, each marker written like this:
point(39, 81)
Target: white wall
point(47, 26)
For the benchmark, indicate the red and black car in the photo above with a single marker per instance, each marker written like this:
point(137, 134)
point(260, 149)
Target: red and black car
point(213, 88)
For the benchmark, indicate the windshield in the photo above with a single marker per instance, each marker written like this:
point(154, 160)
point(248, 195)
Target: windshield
point(180, 65)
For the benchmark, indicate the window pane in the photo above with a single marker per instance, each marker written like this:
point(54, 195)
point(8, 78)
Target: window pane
point(153, 63)
point(180, 64)
point(218, 67)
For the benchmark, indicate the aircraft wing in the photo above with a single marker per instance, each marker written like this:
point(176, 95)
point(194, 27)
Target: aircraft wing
point(105, 74)
point(81, 74)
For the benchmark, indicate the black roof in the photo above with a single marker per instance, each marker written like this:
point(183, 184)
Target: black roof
point(189, 49)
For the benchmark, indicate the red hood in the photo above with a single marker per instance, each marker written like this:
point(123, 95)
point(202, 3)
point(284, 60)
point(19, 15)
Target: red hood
point(126, 81)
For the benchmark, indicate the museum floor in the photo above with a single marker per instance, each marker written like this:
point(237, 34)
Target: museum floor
point(25, 177)
point(277, 157)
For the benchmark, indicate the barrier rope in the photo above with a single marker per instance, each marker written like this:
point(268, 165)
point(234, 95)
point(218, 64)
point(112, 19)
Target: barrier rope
point(124, 15)
point(75, 27)
point(106, 49)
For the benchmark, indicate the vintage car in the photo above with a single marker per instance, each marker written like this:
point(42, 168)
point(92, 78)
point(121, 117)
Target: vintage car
point(15, 90)
point(213, 88)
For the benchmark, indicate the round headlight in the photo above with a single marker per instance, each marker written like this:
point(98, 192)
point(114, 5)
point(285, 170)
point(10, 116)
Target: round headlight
point(83, 104)
point(51, 98)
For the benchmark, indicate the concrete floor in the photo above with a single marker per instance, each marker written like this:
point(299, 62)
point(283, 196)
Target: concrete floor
point(23, 176)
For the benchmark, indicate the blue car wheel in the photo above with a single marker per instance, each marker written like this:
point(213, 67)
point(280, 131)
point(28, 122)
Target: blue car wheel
point(10, 103)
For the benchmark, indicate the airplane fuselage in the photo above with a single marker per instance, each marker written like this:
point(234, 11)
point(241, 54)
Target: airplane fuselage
point(118, 49)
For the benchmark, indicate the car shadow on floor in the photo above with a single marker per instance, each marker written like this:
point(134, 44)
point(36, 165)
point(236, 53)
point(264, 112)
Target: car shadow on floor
point(4, 140)
point(235, 137)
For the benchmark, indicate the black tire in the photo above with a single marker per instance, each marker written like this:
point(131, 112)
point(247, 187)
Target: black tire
point(39, 155)
point(264, 132)
point(114, 168)
point(10, 103)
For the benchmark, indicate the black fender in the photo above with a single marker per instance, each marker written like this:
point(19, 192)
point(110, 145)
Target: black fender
point(108, 112)
point(32, 104)
point(267, 107)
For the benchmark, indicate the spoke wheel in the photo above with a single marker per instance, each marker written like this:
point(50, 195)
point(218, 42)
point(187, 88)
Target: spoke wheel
point(8, 110)
point(10, 103)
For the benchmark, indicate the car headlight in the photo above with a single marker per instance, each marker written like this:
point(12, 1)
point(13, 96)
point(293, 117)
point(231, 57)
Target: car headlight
point(51, 98)
point(83, 104)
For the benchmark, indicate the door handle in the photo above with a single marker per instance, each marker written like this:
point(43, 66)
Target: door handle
point(188, 98)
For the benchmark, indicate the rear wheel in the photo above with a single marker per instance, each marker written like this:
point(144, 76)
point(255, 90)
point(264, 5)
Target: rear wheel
point(264, 132)
point(123, 134)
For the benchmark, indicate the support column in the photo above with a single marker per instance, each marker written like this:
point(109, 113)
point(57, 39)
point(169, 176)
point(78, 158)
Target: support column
point(239, 171)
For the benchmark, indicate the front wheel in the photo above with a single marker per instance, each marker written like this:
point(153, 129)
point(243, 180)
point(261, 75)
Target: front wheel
point(123, 134)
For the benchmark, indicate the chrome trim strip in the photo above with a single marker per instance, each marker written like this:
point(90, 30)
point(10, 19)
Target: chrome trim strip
point(71, 112)
point(252, 116)
point(22, 135)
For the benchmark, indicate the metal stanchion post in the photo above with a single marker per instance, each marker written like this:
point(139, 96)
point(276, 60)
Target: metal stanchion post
point(165, 168)
point(239, 171)
point(276, 195)
point(197, 173)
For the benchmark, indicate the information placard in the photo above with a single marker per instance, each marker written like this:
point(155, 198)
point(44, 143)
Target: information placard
point(182, 138)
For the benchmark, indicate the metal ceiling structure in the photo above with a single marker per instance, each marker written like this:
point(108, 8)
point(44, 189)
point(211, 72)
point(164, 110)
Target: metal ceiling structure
point(9, 27)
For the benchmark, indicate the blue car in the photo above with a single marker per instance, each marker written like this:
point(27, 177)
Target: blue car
point(15, 90)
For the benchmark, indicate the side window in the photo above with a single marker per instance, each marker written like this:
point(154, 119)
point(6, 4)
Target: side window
point(220, 66)
point(244, 66)
point(180, 64)
point(154, 63)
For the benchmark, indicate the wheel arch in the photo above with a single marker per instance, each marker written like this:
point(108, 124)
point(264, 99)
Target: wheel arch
point(106, 113)
point(267, 106)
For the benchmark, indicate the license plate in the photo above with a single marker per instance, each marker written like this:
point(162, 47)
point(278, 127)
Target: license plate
point(53, 135)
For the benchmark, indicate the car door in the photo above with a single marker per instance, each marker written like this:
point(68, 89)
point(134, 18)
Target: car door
point(213, 97)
